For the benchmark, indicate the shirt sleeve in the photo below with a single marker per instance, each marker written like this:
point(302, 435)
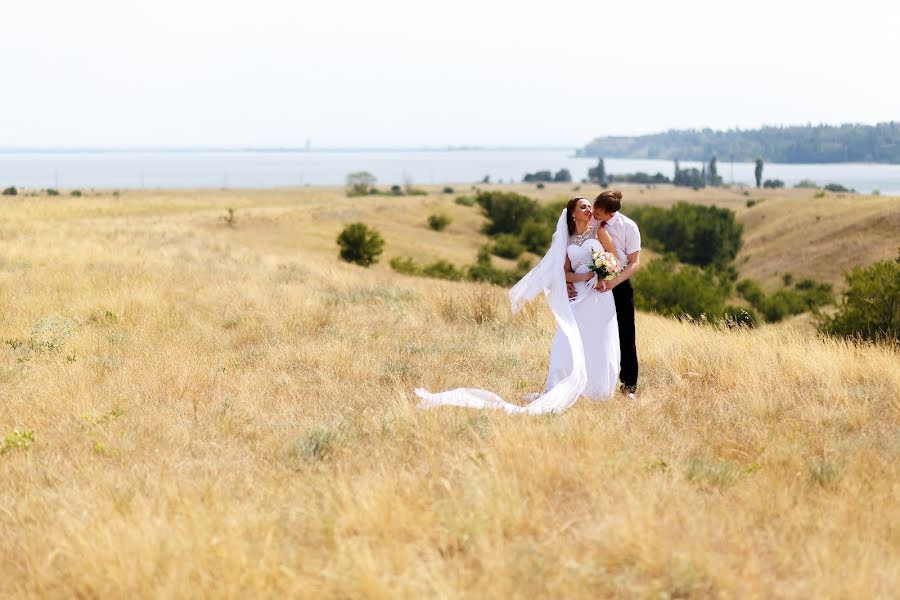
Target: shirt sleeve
point(632, 238)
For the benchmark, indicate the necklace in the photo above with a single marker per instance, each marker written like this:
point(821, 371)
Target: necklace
point(580, 238)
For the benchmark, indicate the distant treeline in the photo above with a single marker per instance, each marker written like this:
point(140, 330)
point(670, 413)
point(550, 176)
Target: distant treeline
point(805, 144)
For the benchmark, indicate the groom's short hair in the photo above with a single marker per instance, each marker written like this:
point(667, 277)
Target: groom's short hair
point(609, 201)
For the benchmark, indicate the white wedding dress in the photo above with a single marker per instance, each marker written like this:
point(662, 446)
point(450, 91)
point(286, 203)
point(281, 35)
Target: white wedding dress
point(569, 376)
point(595, 316)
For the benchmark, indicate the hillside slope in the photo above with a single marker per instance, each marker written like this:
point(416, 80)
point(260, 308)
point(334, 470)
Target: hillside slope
point(230, 409)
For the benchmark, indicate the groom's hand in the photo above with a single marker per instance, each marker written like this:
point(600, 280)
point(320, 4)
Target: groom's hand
point(570, 287)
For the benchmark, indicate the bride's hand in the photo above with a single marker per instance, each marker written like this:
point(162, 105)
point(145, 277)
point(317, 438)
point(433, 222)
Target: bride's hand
point(601, 287)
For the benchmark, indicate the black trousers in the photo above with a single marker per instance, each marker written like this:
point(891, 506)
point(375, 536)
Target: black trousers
point(623, 294)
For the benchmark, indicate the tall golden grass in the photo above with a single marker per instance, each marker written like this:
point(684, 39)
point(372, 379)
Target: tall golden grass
point(227, 411)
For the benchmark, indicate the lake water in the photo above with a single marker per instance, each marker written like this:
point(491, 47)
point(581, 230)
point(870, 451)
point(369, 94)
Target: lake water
point(261, 169)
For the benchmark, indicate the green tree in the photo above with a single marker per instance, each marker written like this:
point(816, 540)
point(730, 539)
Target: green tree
point(507, 212)
point(758, 171)
point(870, 307)
point(359, 244)
point(10, 191)
point(360, 183)
point(598, 174)
point(563, 176)
point(538, 176)
point(696, 234)
point(713, 173)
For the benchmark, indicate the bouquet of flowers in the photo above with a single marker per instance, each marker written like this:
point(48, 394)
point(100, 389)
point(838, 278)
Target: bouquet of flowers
point(605, 265)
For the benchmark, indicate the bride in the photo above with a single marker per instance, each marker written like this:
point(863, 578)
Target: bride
point(584, 355)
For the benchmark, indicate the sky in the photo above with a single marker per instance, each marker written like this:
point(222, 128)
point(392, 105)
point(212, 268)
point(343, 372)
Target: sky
point(433, 73)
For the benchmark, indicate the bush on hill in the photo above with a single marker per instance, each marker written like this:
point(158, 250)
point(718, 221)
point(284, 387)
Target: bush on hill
point(697, 235)
point(439, 221)
point(442, 269)
point(805, 295)
point(507, 245)
point(870, 307)
point(667, 288)
point(360, 244)
point(507, 212)
point(10, 191)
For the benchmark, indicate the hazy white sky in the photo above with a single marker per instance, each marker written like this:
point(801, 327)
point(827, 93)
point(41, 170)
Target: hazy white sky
point(97, 73)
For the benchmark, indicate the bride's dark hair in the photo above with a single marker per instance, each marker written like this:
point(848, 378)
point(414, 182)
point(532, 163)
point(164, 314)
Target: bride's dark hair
point(570, 209)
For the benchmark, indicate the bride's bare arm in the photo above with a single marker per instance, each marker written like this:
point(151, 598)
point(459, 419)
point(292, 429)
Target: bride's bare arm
point(572, 276)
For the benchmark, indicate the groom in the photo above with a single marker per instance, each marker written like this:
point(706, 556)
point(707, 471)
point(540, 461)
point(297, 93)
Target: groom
point(626, 238)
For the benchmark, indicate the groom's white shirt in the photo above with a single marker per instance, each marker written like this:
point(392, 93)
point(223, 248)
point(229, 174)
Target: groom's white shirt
point(626, 237)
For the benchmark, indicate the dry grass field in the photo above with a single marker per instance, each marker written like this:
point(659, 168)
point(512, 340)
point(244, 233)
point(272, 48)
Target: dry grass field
point(227, 411)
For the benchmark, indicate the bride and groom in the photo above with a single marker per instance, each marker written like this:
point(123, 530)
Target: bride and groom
point(595, 336)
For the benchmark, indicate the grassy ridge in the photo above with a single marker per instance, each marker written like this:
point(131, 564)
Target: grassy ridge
point(230, 410)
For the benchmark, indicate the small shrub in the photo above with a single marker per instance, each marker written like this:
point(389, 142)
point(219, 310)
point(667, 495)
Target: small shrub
point(10, 191)
point(442, 269)
point(718, 473)
point(359, 244)
point(838, 188)
point(405, 265)
point(484, 270)
point(751, 203)
point(317, 444)
point(806, 184)
point(739, 316)
point(447, 190)
point(17, 440)
point(75, 193)
point(465, 200)
point(230, 219)
point(507, 245)
point(52, 192)
point(825, 473)
point(438, 221)
point(819, 194)
point(396, 190)
point(773, 183)
point(540, 186)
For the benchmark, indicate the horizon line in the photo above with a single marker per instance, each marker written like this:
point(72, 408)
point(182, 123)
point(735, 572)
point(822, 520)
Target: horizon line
point(287, 149)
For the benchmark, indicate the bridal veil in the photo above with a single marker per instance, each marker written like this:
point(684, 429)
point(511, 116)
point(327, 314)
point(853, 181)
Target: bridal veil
point(548, 277)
